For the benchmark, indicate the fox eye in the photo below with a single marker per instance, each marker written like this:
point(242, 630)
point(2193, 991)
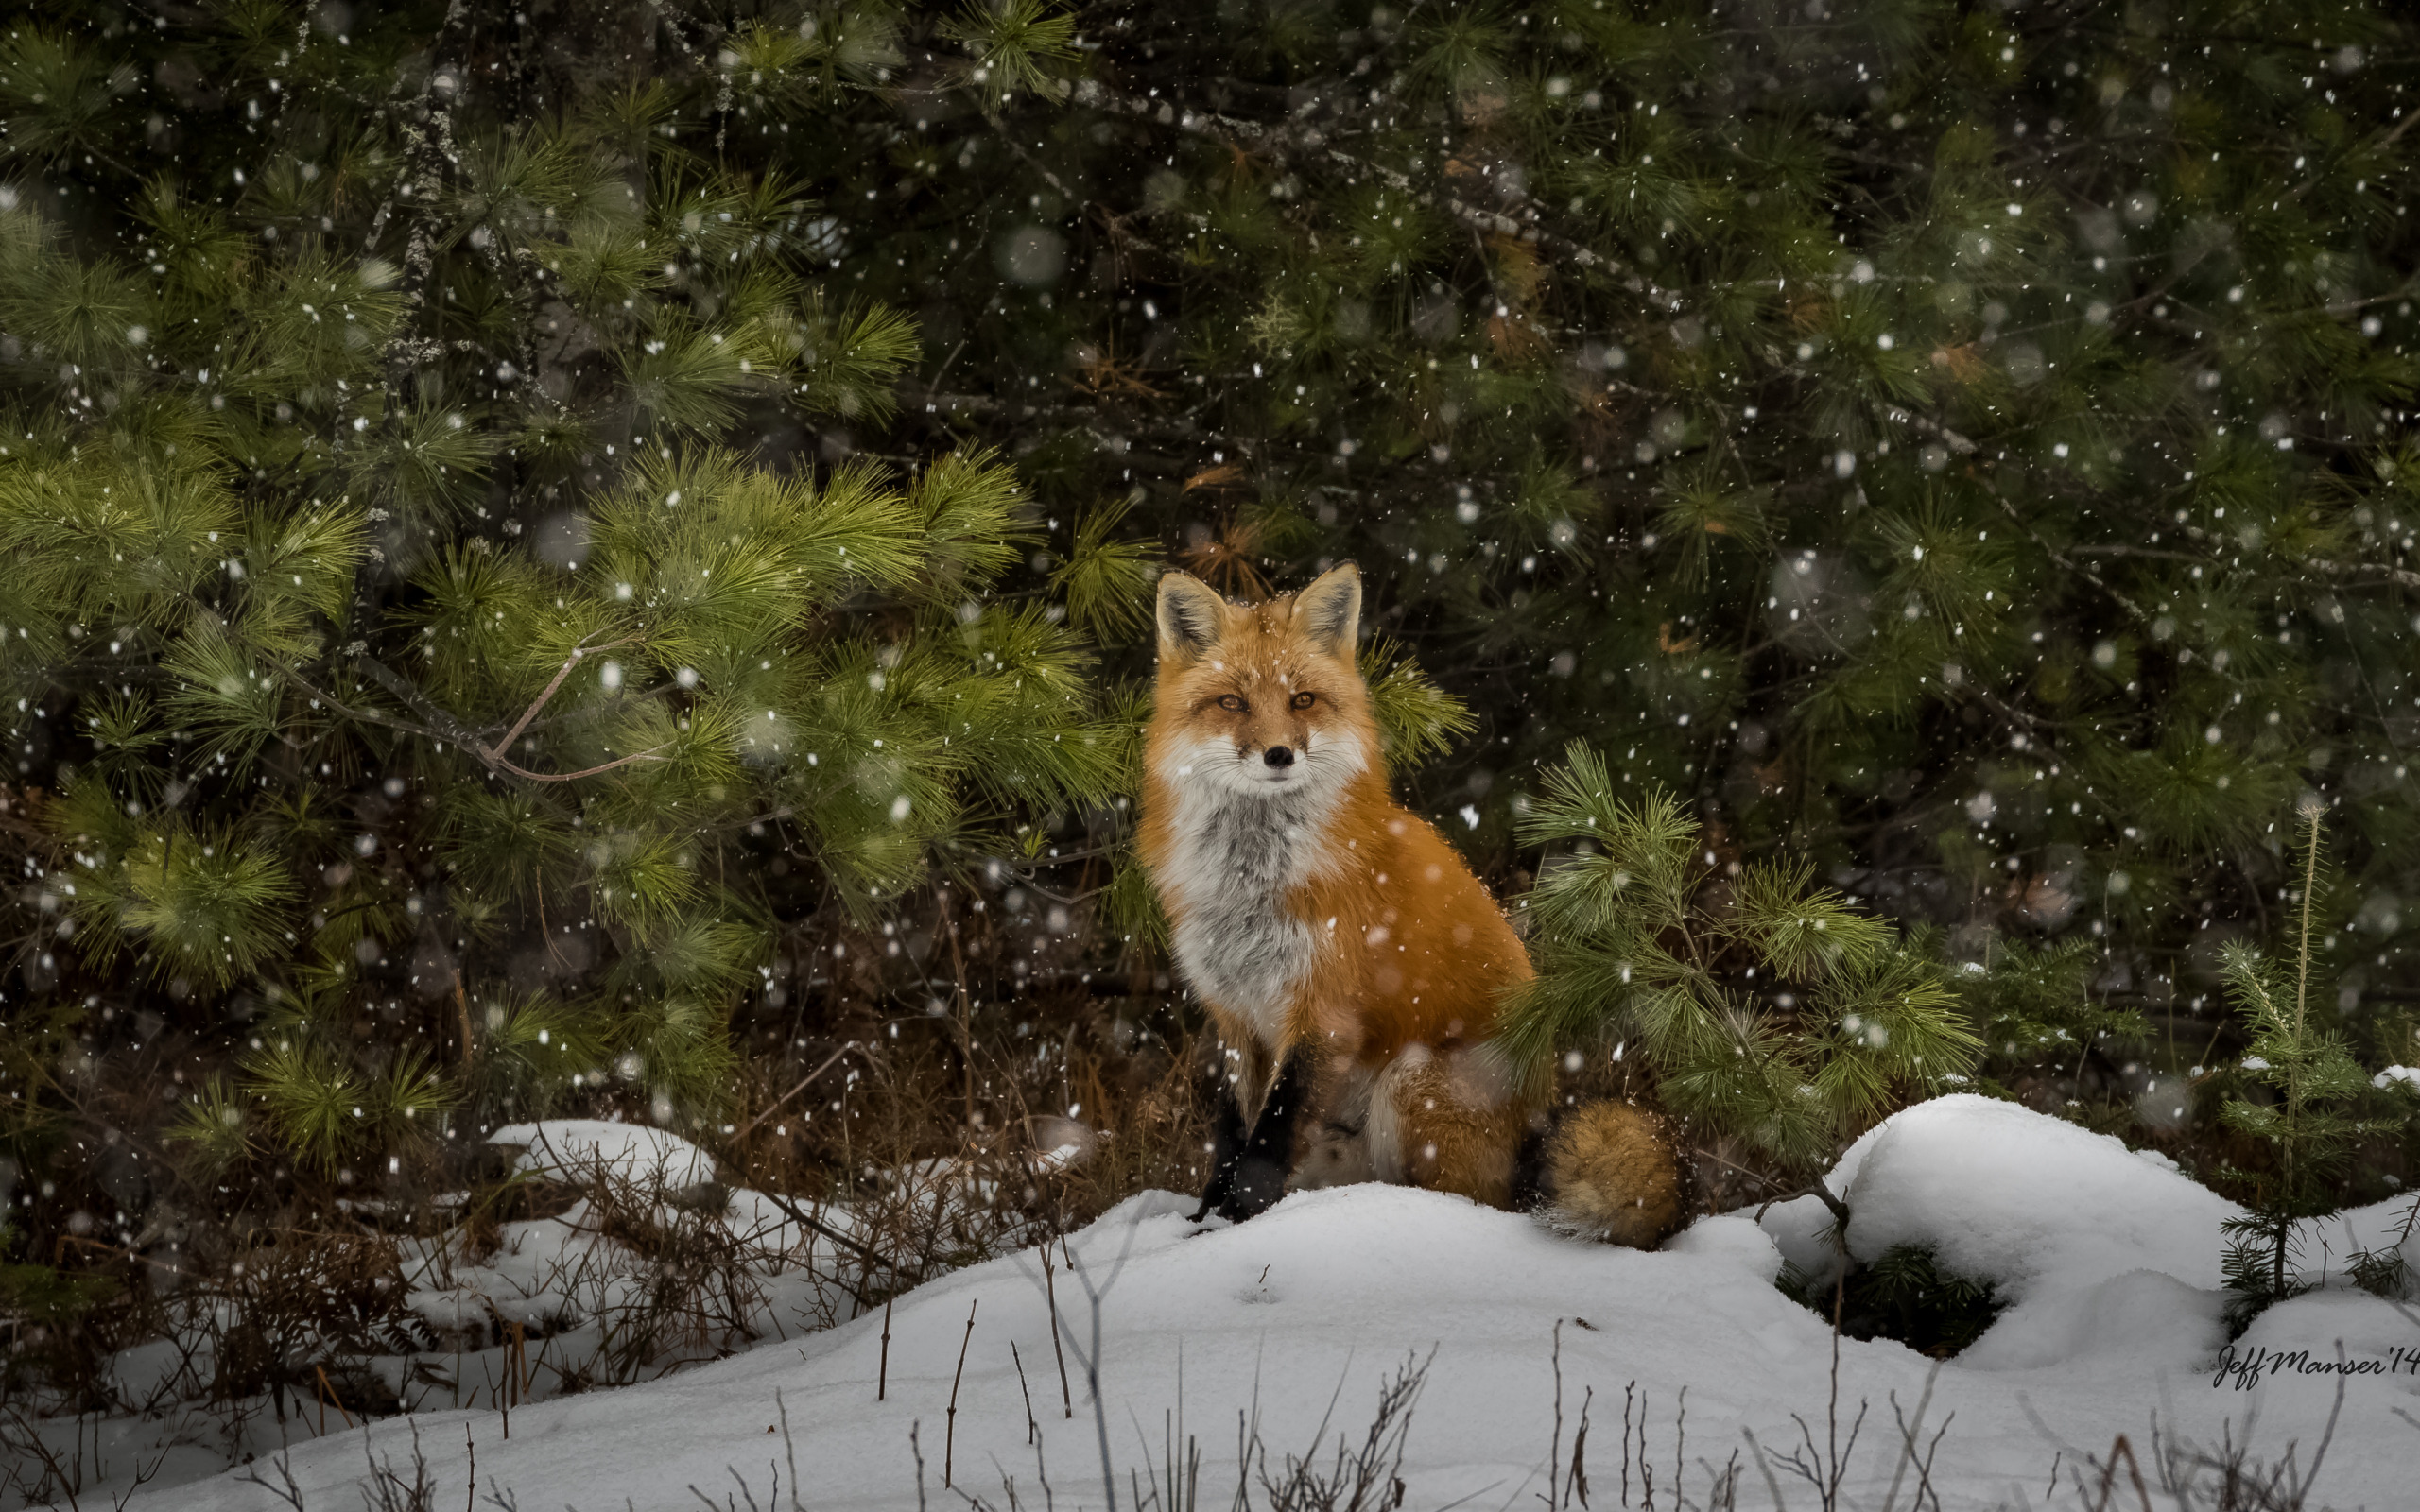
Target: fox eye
point(1304, 700)
point(1231, 704)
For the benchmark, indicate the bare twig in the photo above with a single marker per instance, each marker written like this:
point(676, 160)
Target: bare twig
point(329, 1395)
point(564, 671)
point(882, 1380)
point(1032, 1429)
point(1908, 1431)
point(2083, 569)
point(1050, 1290)
point(442, 727)
point(829, 1062)
point(1817, 1190)
point(949, 1429)
point(2109, 1476)
point(791, 1210)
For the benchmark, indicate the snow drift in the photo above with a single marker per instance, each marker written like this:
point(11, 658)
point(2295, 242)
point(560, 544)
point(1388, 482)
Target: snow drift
point(2108, 1257)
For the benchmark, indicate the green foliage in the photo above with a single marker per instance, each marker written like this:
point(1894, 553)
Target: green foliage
point(32, 1046)
point(1767, 1007)
point(1417, 719)
point(211, 1132)
point(1691, 387)
point(2031, 1008)
point(2309, 1118)
point(400, 595)
point(1905, 1294)
point(43, 1294)
point(1107, 581)
point(1015, 43)
point(1688, 387)
point(532, 1053)
point(313, 1100)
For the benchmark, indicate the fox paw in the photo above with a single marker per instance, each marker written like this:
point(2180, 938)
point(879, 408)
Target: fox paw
point(1252, 1190)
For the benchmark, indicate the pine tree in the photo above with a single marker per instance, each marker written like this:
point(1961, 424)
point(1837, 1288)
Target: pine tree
point(2310, 1119)
point(2033, 1008)
point(1966, 453)
point(1767, 1008)
point(386, 604)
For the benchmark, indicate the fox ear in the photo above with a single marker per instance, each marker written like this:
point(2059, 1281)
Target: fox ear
point(1330, 610)
point(1192, 618)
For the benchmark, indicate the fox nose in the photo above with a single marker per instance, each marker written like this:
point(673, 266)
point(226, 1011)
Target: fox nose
point(1278, 756)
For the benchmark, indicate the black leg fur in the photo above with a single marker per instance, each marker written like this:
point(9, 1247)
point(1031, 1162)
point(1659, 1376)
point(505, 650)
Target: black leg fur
point(1529, 1166)
point(1249, 1167)
point(1226, 1145)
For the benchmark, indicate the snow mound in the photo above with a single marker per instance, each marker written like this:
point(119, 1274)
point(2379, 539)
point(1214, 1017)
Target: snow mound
point(2005, 1195)
point(2139, 1315)
point(2095, 1249)
point(1295, 1318)
point(2353, 1325)
point(1733, 1237)
point(575, 1149)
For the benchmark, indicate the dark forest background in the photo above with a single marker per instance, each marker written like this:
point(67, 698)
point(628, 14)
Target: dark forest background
point(595, 557)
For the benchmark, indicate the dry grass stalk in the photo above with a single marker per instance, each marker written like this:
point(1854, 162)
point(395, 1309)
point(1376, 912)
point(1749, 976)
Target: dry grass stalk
point(949, 1433)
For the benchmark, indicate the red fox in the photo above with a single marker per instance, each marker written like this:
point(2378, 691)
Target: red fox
point(1351, 962)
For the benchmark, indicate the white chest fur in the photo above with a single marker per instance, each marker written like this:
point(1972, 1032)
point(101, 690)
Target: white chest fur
point(1235, 858)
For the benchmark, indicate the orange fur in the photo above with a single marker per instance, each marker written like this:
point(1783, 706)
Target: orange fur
point(1409, 955)
point(1614, 1178)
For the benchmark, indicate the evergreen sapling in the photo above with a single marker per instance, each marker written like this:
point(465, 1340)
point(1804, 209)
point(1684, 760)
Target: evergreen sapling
point(2310, 1119)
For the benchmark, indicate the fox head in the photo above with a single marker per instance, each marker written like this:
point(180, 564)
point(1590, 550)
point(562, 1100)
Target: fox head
point(1261, 699)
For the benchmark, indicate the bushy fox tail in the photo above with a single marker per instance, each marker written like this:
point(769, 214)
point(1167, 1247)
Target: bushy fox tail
point(1613, 1173)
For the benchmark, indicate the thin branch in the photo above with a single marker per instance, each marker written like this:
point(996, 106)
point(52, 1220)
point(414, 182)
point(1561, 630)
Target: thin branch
point(368, 717)
point(1817, 1190)
point(531, 712)
point(1282, 142)
point(430, 149)
point(829, 1061)
point(444, 727)
point(790, 1209)
point(2082, 568)
point(1926, 425)
point(652, 753)
point(2399, 576)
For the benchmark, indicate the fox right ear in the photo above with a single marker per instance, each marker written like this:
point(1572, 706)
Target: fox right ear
point(1330, 610)
point(1191, 616)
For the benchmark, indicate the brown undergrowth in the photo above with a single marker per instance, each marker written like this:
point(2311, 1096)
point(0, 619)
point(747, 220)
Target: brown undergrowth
point(851, 1163)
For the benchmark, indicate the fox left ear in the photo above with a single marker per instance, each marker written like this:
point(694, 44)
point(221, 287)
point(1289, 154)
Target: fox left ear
point(1192, 618)
point(1330, 610)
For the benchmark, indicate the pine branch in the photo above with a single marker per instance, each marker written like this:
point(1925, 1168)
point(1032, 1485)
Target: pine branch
point(442, 727)
point(1282, 143)
point(573, 661)
point(2382, 572)
point(440, 724)
point(2082, 568)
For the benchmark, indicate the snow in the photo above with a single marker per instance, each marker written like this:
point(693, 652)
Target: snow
point(2094, 1246)
point(2109, 1258)
point(575, 1149)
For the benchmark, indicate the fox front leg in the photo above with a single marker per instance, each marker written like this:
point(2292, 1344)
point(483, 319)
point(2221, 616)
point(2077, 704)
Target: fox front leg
point(1249, 1162)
